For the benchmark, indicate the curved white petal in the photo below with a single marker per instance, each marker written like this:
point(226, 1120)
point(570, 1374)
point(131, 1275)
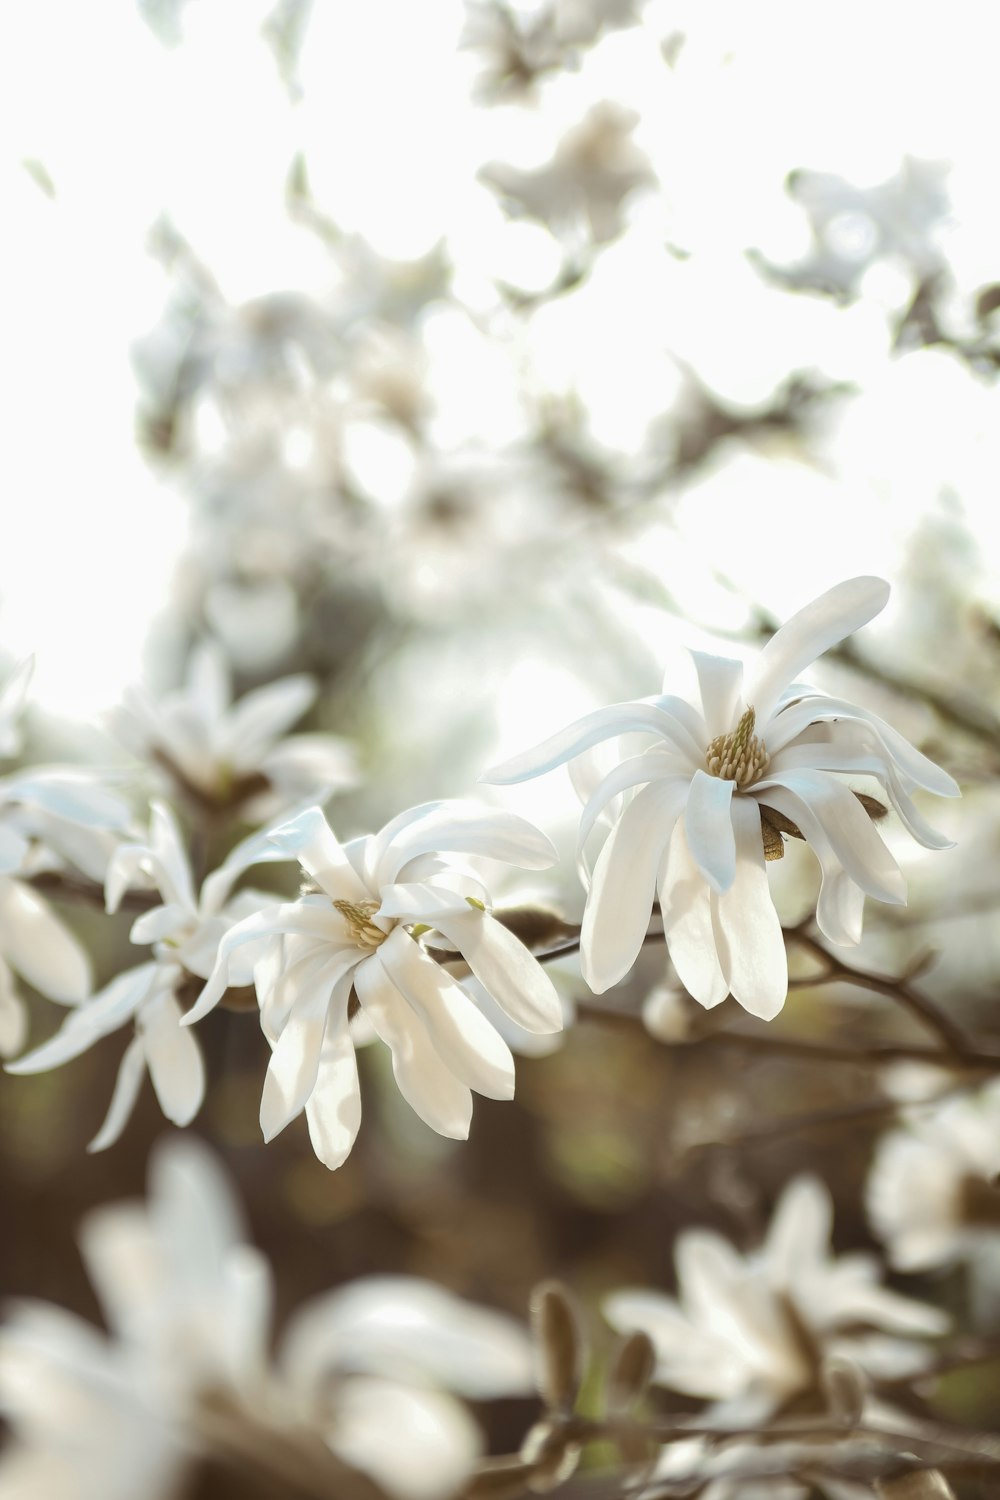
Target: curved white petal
point(459, 828)
point(720, 681)
point(311, 840)
point(708, 825)
point(294, 1065)
point(618, 907)
point(333, 1111)
point(508, 970)
point(619, 718)
point(434, 1441)
point(173, 1058)
point(131, 1072)
point(848, 828)
point(261, 717)
point(208, 686)
point(173, 873)
point(427, 1084)
point(798, 1239)
point(811, 631)
point(686, 909)
point(87, 1024)
point(840, 907)
point(655, 765)
point(39, 947)
point(460, 1033)
point(690, 720)
point(160, 922)
point(13, 848)
point(295, 918)
point(917, 768)
point(750, 942)
point(13, 1014)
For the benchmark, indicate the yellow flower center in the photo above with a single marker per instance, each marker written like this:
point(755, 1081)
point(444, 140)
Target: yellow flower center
point(739, 756)
point(358, 915)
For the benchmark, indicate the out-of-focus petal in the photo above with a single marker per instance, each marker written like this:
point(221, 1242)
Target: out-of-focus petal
point(434, 1441)
point(811, 631)
point(13, 1014)
point(39, 947)
point(263, 716)
point(799, 1234)
point(619, 718)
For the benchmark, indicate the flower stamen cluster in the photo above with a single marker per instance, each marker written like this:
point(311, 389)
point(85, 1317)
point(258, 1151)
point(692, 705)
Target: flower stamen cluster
point(739, 756)
point(358, 916)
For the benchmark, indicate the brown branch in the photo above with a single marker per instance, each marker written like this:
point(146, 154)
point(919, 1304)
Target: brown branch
point(65, 887)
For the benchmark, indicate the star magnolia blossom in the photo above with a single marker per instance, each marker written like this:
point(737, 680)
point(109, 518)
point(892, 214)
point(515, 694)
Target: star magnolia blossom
point(224, 749)
point(377, 896)
point(752, 1331)
point(696, 815)
point(185, 934)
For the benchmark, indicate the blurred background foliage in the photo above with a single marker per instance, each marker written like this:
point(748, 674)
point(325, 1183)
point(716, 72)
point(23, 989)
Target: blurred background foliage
point(475, 359)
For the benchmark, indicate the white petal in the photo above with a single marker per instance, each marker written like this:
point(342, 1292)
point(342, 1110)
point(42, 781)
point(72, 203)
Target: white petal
point(159, 923)
point(720, 680)
point(434, 1441)
point(39, 947)
point(292, 1071)
point(748, 934)
point(131, 1072)
point(655, 765)
point(69, 794)
point(294, 917)
point(13, 848)
point(313, 843)
point(619, 718)
point(173, 873)
point(263, 716)
point(456, 828)
point(13, 695)
point(813, 630)
point(424, 1080)
point(289, 968)
point(686, 908)
point(13, 1015)
point(821, 798)
point(799, 1235)
point(708, 825)
point(690, 720)
point(914, 766)
point(173, 1058)
point(618, 908)
point(333, 1112)
point(507, 969)
point(460, 1033)
point(208, 685)
point(840, 907)
point(708, 1271)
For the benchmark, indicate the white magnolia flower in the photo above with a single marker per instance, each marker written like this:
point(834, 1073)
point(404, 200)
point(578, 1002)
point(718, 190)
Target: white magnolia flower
point(751, 1331)
point(233, 752)
point(932, 1193)
point(362, 930)
point(696, 815)
point(185, 933)
point(368, 1369)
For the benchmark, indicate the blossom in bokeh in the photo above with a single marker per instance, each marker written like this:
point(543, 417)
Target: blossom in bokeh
point(697, 815)
point(362, 931)
point(752, 1331)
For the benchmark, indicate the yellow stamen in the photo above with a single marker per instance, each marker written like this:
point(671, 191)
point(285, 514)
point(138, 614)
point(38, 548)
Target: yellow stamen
point(357, 915)
point(739, 756)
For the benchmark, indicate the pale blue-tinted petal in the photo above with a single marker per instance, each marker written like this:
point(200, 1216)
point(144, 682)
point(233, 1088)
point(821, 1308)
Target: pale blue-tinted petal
point(686, 909)
point(425, 1081)
point(750, 942)
point(131, 1072)
point(619, 718)
point(847, 827)
point(708, 825)
point(460, 1033)
point(173, 1058)
point(720, 681)
point(13, 848)
point(333, 1112)
point(915, 767)
point(508, 970)
point(811, 631)
point(291, 1073)
point(311, 840)
point(39, 947)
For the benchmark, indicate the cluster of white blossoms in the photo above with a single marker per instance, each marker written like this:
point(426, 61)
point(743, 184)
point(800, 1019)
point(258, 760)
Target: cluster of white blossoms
point(695, 817)
point(186, 1372)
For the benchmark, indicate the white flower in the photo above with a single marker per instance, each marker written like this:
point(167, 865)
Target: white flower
point(185, 933)
point(233, 752)
point(368, 1369)
point(932, 1193)
point(377, 896)
point(751, 1331)
point(696, 814)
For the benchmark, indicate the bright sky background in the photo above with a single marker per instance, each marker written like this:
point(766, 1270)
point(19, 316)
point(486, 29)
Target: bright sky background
point(128, 129)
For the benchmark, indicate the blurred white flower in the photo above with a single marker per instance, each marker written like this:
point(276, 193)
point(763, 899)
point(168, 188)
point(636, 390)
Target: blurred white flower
point(228, 752)
point(751, 1332)
point(13, 696)
point(368, 1368)
point(696, 815)
point(185, 933)
point(377, 896)
point(932, 1194)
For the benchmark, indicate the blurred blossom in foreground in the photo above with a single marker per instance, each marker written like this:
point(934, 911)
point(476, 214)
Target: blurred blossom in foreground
point(184, 1374)
point(697, 816)
point(752, 1332)
point(361, 930)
